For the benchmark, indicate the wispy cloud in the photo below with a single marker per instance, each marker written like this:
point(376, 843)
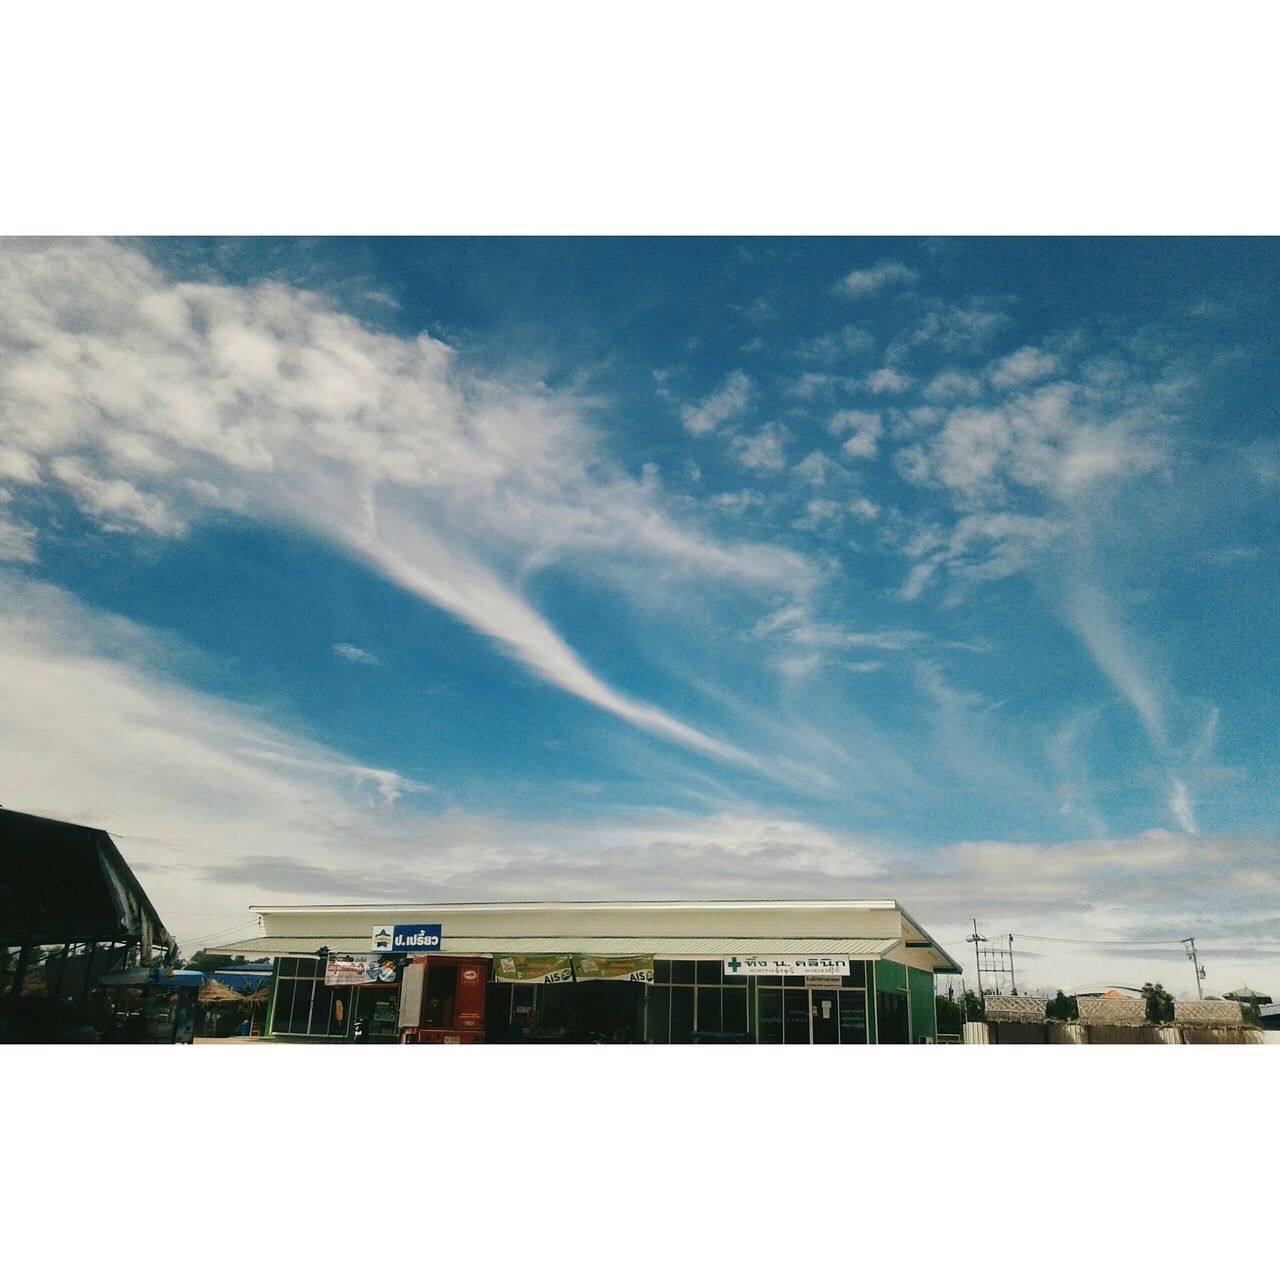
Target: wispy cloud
point(724, 404)
point(269, 401)
point(352, 653)
point(869, 280)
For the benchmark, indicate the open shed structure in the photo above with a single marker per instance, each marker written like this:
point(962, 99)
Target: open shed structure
point(71, 912)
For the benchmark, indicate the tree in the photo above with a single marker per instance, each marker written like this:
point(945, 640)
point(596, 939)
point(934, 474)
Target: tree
point(1062, 1007)
point(1159, 1002)
point(973, 1009)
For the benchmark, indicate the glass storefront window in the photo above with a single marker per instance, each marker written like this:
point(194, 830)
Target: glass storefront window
point(853, 1017)
point(682, 1015)
point(795, 1015)
point(769, 1014)
point(709, 1010)
point(734, 1012)
point(658, 1019)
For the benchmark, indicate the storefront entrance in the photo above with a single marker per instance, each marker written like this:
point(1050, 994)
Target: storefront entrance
point(597, 1012)
point(798, 1015)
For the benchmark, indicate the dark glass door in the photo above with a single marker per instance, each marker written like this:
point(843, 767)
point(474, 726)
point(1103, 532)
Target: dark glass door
point(825, 1016)
point(795, 1016)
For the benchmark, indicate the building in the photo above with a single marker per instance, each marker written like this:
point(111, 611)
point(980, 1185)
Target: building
point(649, 972)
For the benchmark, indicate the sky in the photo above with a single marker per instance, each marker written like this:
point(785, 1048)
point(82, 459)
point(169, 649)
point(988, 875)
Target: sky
point(452, 569)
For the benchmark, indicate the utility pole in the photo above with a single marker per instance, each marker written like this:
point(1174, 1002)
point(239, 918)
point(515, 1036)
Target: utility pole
point(975, 937)
point(1190, 944)
point(1013, 982)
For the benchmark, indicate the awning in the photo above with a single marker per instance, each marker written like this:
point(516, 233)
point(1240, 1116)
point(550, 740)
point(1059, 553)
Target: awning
point(63, 883)
point(667, 947)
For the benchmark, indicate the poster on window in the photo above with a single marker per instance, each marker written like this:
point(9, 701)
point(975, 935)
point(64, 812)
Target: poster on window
point(540, 968)
point(360, 971)
point(589, 968)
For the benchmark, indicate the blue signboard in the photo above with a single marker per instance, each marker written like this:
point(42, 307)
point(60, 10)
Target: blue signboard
point(416, 937)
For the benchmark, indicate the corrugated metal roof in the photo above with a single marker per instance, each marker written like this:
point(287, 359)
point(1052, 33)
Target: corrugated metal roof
point(300, 944)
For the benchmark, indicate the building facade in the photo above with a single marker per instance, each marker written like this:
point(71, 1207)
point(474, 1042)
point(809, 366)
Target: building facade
point(811, 972)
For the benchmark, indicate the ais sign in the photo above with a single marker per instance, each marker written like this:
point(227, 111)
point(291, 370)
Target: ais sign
point(407, 937)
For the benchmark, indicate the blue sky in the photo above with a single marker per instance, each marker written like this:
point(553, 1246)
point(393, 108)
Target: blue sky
point(942, 570)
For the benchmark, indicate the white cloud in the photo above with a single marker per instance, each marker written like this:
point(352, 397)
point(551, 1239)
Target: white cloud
point(982, 547)
point(864, 509)
point(726, 402)
point(835, 348)
point(862, 284)
point(351, 653)
point(819, 513)
point(117, 503)
point(1180, 806)
point(794, 624)
point(1029, 364)
point(1060, 439)
point(799, 666)
point(813, 470)
point(151, 401)
point(953, 385)
point(17, 538)
point(865, 428)
point(887, 381)
point(1089, 610)
point(761, 452)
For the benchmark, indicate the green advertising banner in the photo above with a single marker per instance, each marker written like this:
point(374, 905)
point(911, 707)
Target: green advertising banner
point(620, 968)
point(521, 968)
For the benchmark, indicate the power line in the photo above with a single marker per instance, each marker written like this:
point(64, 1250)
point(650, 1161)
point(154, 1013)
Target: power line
point(1106, 942)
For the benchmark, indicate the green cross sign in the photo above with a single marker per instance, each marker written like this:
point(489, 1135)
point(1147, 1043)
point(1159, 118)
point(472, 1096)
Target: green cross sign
point(734, 964)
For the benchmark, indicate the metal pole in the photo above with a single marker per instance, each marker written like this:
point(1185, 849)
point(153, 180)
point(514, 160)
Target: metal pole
point(20, 972)
point(1013, 982)
point(1195, 960)
point(62, 970)
point(975, 937)
point(88, 971)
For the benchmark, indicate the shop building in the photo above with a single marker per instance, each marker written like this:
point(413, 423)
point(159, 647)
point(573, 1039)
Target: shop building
point(814, 972)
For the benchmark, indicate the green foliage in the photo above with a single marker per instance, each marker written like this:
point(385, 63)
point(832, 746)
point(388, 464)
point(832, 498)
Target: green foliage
point(973, 1008)
point(1062, 1007)
point(1159, 1003)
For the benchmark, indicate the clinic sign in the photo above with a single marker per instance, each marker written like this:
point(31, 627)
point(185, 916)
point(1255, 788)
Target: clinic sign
point(403, 938)
point(787, 966)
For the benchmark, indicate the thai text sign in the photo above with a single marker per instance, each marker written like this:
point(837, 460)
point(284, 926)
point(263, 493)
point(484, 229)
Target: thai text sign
point(523, 968)
point(360, 971)
point(407, 937)
point(788, 966)
point(589, 968)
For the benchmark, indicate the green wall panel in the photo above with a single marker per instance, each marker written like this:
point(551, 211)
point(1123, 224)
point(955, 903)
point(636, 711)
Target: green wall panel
point(924, 1018)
